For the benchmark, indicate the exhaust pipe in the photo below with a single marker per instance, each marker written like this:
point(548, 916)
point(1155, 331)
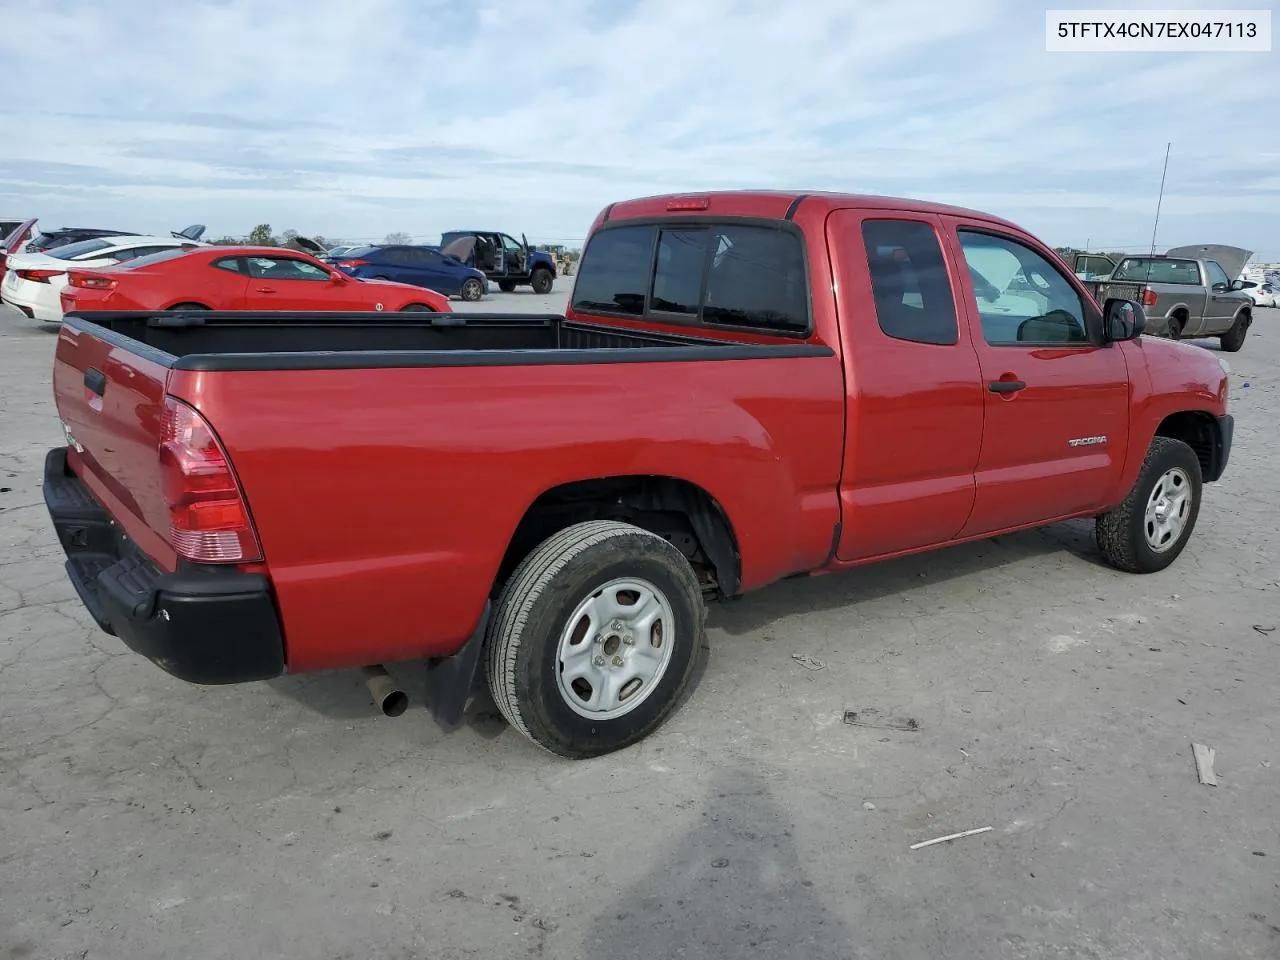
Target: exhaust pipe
point(387, 697)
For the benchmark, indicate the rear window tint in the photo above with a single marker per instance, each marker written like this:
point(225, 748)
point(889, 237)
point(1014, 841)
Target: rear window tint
point(171, 253)
point(614, 271)
point(1158, 271)
point(70, 251)
point(724, 274)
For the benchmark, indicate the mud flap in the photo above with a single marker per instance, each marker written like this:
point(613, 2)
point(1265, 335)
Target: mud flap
point(451, 680)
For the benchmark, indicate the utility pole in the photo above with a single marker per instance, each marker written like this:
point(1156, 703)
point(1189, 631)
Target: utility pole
point(1160, 199)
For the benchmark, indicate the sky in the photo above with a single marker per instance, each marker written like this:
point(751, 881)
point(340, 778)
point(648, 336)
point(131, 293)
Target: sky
point(356, 118)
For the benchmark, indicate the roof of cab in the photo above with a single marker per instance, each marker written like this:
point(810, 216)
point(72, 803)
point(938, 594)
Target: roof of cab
point(781, 204)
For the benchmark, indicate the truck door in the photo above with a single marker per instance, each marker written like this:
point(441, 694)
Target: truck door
point(515, 256)
point(1056, 419)
point(490, 256)
point(1223, 301)
point(914, 408)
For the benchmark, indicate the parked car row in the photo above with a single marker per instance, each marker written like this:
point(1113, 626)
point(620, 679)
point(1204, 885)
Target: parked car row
point(237, 278)
point(34, 281)
point(44, 274)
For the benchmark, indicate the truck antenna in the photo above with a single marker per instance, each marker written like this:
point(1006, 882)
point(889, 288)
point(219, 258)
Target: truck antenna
point(1160, 199)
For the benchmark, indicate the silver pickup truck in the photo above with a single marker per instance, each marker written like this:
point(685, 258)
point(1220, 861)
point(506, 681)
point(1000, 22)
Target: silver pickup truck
point(1186, 291)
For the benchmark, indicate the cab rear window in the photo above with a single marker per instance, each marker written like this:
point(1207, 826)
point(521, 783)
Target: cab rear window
point(744, 275)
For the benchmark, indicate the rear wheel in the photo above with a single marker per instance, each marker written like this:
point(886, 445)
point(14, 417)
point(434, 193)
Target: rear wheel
point(472, 289)
point(1176, 326)
point(542, 280)
point(594, 637)
point(1233, 339)
point(507, 286)
point(189, 306)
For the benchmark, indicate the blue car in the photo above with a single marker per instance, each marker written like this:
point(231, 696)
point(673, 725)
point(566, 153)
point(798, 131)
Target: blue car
point(420, 266)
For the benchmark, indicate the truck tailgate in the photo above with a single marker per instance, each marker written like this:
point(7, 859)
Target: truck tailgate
point(111, 400)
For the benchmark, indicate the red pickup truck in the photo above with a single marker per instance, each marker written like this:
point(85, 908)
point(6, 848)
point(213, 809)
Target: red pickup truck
point(745, 387)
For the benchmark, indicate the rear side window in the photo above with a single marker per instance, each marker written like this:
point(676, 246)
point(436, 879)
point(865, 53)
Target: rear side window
point(614, 272)
point(757, 279)
point(909, 282)
point(723, 274)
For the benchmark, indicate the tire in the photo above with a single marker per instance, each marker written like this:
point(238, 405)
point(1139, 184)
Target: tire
point(507, 286)
point(416, 308)
point(1129, 535)
point(542, 280)
point(580, 568)
point(472, 290)
point(1176, 326)
point(189, 306)
point(1233, 339)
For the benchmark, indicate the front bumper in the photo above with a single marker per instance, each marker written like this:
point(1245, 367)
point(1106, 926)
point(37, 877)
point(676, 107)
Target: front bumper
point(203, 623)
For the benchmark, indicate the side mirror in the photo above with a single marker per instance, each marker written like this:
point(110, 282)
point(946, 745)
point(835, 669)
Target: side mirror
point(1123, 320)
point(1240, 285)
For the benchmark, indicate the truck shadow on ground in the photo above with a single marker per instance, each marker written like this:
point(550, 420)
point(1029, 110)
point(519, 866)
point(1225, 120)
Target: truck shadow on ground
point(1073, 540)
point(341, 694)
point(732, 886)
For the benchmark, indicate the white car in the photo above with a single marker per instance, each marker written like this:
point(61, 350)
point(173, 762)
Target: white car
point(1263, 293)
point(33, 282)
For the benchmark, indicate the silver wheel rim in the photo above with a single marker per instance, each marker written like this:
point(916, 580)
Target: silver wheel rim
point(472, 291)
point(1168, 508)
point(615, 649)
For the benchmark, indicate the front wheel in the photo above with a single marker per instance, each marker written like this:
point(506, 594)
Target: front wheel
point(1153, 524)
point(542, 280)
point(1233, 339)
point(472, 290)
point(594, 637)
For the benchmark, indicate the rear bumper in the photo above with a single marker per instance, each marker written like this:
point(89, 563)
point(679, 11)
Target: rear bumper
point(203, 624)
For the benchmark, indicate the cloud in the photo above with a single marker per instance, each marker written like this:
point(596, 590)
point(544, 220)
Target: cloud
point(419, 115)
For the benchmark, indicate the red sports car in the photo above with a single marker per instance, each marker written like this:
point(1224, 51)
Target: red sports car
point(237, 278)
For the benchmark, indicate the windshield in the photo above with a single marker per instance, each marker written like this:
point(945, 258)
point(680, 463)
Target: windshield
point(72, 250)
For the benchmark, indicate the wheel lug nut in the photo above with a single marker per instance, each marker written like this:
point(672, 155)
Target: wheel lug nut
point(616, 625)
point(599, 661)
point(617, 661)
point(629, 640)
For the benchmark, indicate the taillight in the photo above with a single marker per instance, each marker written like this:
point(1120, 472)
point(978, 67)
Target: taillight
point(90, 282)
point(39, 276)
point(208, 518)
point(1148, 297)
point(351, 264)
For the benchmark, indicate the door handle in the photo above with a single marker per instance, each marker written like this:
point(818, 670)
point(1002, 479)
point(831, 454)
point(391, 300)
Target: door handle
point(265, 290)
point(95, 381)
point(1006, 386)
